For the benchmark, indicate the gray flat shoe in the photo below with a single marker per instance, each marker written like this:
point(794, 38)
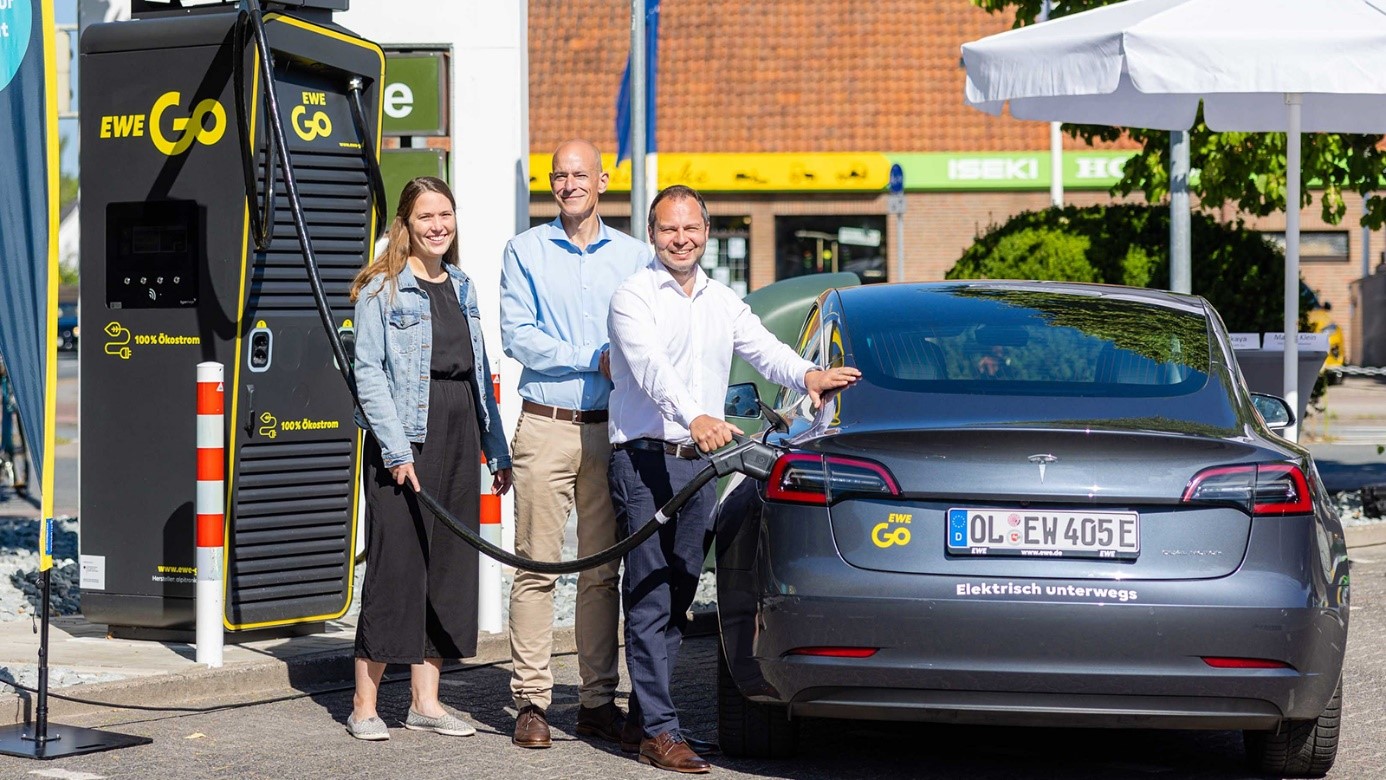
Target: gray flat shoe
point(370, 729)
point(447, 724)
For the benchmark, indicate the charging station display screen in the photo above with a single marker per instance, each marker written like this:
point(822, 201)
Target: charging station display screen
point(152, 251)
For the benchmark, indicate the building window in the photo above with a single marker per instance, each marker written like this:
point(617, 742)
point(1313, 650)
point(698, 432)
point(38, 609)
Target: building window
point(728, 254)
point(1316, 246)
point(826, 244)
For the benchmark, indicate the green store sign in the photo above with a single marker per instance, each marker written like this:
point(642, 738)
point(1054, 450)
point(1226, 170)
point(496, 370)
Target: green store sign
point(1091, 170)
point(413, 98)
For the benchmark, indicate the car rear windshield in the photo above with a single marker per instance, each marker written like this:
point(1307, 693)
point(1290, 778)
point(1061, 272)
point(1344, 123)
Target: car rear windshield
point(1086, 347)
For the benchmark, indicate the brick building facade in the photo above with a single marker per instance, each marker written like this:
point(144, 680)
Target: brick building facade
point(789, 77)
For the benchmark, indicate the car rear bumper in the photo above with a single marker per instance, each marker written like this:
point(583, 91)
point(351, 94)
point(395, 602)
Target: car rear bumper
point(1048, 651)
point(1035, 659)
point(1009, 708)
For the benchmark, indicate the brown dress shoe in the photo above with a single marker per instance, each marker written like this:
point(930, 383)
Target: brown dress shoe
point(604, 722)
point(632, 735)
point(531, 728)
point(669, 751)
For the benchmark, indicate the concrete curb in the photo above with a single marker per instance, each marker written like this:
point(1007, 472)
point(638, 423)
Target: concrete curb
point(232, 684)
point(1370, 535)
point(247, 681)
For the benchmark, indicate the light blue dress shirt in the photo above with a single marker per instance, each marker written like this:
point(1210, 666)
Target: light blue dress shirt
point(554, 300)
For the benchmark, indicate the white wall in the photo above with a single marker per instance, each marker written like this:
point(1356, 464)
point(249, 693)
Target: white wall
point(490, 140)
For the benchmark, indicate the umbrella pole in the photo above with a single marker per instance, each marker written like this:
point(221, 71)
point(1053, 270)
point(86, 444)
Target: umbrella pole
point(1180, 264)
point(1294, 117)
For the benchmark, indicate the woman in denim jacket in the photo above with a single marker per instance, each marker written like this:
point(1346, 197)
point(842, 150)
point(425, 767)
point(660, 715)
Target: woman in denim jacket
point(425, 388)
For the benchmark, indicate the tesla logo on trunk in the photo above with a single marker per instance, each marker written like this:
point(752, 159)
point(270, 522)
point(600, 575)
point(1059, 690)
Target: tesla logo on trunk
point(1042, 460)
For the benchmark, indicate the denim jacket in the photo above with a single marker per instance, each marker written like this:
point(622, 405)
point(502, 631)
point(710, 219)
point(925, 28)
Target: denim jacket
point(393, 354)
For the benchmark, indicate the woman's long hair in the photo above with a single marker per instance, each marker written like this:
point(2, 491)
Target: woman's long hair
point(397, 250)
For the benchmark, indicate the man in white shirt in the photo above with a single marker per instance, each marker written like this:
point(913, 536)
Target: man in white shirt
point(673, 333)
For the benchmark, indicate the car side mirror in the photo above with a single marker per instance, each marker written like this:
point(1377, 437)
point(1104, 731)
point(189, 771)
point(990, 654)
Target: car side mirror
point(1273, 410)
point(743, 400)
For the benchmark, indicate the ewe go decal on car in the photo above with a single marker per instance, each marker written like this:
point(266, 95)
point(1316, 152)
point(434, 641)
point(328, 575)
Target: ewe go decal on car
point(892, 531)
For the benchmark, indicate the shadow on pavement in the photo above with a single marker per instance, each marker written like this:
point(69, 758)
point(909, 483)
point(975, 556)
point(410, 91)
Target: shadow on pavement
point(1339, 475)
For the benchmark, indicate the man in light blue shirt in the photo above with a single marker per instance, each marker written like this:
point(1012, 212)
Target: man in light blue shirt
point(556, 284)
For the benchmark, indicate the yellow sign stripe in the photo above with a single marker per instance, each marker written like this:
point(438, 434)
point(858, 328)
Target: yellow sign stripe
point(769, 172)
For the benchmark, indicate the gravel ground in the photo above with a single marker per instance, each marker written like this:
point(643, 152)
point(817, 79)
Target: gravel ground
point(19, 590)
point(1350, 509)
point(565, 595)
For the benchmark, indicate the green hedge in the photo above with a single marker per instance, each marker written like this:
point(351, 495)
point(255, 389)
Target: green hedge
point(1237, 270)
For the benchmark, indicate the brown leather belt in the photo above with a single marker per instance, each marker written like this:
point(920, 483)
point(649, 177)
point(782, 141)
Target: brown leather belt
point(684, 451)
point(566, 415)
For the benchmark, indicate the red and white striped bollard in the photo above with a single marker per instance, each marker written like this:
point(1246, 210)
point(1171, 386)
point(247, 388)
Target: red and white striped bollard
point(488, 590)
point(210, 510)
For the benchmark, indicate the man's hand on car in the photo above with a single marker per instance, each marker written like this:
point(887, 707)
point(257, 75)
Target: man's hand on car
point(824, 382)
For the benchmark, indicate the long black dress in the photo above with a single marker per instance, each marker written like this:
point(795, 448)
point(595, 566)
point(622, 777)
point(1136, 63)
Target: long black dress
point(419, 596)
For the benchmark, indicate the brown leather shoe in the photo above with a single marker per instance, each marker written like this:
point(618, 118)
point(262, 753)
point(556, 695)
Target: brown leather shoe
point(531, 728)
point(669, 751)
point(632, 735)
point(604, 722)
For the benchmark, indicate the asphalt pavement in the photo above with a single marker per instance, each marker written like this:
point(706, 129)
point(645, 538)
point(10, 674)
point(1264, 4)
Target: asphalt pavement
point(305, 737)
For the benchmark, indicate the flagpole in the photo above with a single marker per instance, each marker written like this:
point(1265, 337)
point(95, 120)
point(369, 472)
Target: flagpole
point(638, 129)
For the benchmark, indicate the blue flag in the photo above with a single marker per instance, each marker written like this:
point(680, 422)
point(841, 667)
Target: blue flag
point(29, 230)
point(623, 121)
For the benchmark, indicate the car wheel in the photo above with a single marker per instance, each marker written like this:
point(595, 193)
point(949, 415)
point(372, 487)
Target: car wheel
point(746, 728)
point(1299, 748)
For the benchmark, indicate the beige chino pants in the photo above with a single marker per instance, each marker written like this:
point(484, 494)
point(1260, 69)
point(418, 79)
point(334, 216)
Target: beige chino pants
point(558, 464)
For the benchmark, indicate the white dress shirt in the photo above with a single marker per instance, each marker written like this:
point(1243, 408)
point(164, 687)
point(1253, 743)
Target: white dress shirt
point(671, 353)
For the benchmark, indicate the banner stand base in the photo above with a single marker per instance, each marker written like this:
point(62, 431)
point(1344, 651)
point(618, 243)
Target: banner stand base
point(63, 741)
point(43, 740)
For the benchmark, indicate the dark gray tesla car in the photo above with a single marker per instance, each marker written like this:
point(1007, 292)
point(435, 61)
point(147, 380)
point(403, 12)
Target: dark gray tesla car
point(1043, 504)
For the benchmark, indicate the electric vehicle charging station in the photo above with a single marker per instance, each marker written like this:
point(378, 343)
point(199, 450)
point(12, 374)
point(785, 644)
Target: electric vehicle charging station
point(173, 276)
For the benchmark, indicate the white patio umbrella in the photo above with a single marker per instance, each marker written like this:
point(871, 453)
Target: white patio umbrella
point(1288, 66)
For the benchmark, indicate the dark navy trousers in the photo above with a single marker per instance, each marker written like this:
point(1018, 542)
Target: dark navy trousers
point(661, 575)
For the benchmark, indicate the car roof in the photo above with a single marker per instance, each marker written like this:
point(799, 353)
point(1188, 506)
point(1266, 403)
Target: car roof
point(875, 293)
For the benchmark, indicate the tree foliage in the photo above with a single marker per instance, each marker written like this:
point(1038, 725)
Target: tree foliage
point(1236, 269)
point(1245, 169)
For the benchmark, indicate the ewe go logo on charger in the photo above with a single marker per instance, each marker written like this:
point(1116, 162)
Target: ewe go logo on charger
point(311, 126)
point(170, 125)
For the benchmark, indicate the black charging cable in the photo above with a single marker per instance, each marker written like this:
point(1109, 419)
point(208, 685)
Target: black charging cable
point(358, 117)
point(262, 219)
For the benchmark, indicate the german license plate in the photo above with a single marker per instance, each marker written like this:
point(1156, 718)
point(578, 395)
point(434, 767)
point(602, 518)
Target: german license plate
point(1044, 533)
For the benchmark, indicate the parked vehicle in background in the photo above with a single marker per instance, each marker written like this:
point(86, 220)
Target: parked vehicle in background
point(67, 326)
point(1044, 504)
point(1321, 321)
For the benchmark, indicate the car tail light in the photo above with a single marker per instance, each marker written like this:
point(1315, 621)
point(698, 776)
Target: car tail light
point(1219, 662)
point(1264, 489)
point(801, 478)
point(835, 652)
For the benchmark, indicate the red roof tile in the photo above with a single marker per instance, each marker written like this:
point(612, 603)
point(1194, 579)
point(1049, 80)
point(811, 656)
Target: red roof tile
point(773, 76)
